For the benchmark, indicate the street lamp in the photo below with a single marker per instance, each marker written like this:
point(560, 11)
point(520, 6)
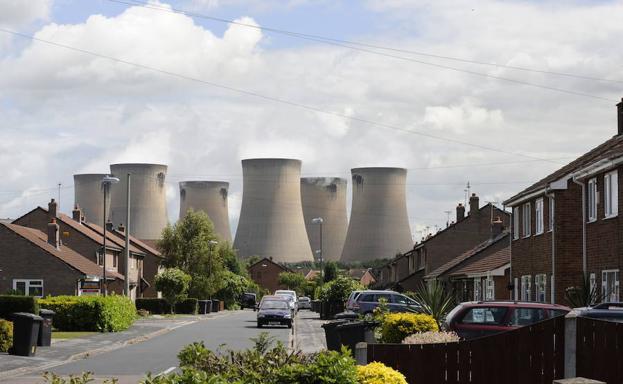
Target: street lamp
point(106, 183)
point(319, 221)
point(212, 243)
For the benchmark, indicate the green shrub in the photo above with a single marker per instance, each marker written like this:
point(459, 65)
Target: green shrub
point(339, 289)
point(91, 313)
point(12, 303)
point(187, 306)
point(379, 373)
point(157, 306)
point(6, 335)
point(331, 367)
point(397, 326)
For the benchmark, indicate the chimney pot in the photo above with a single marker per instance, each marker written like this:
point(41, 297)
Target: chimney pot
point(52, 209)
point(121, 228)
point(620, 117)
point(474, 204)
point(460, 212)
point(109, 226)
point(77, 214)
point(53, 238)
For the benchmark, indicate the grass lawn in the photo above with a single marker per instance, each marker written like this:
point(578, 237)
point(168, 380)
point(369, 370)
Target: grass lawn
point(71, 335)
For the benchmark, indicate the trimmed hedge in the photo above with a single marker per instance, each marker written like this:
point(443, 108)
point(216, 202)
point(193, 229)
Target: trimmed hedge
point(397, 326)
point(91, 313)
point(6, 335)
point(160, 306)
point(11, 304)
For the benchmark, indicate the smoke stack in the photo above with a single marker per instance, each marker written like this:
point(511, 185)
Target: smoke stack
point(209, 197)
point(53, 238)
point(497, 226)
point(88, 195)
point(620, 117)
point(325, 197)
point(121, 228)
point(148, 201)
point(379, 224)
point(77, 213)
point(474, 204)
point(52, 209)
point(109, 226)
point(271, 216)
point(460, 212)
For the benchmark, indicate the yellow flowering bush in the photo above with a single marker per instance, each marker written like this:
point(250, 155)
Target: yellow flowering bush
point(379, 373)
point(397, 326)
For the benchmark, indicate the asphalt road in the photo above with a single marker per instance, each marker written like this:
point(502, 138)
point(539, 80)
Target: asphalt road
point(160, 353)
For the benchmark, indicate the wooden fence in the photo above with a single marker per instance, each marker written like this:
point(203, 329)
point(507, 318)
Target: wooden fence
point(599, 350)
point(532, 354)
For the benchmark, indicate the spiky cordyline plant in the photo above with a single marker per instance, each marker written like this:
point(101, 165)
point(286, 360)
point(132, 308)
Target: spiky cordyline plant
point(435, 300)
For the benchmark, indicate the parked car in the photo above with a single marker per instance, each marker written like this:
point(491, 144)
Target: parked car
point(291, 295)
point(352, 298)
point(274, 310)
point(304, 302)
point(603, 311)
point(367, 301)
point(482, 318)
point(248, 300)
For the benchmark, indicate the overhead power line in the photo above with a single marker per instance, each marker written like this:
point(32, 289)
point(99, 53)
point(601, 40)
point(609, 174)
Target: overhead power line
point(271, 98)
point(354, 44)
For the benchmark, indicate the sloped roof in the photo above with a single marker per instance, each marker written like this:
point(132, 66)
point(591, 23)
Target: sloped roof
point(487, 263)
point(466, 255)
point(610, 148)
point(64, 253)
point(357, 273)
point(267, 260)
point(109, 235)
point(312, 274)
point(140, 243)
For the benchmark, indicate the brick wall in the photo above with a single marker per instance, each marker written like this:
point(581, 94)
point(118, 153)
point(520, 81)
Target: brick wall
point(266, 275)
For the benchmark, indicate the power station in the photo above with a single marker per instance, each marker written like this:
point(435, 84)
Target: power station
point(271, 220)
point(148, 203)
point(379, 223)
point(89, 196)
point(209, 197)
point(325, 197)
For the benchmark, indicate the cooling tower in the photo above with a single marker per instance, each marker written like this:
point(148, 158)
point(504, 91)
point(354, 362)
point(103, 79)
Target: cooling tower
point(325, 197)
point(148, 208)
point(89, 196)
point(379, 224)
point(271, 220)
point(211, 198)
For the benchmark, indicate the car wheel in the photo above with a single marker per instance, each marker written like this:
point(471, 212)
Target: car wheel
point(290, 324)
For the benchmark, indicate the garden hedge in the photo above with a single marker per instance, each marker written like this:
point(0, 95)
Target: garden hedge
point(6, 335)
point(160, 306)
point(396, 326)
point(12, 303)
point(91, 313)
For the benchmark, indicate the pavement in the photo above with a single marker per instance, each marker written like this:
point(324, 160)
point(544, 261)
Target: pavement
point(152, 345)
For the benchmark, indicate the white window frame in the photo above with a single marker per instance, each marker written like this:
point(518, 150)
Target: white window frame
point(477, 289)
point(526, 288)
point(490, 288)
point(591, 200)
point(592, 282)
point(540, 283)
point(526, 220)
point(28, 283)
point(538, 215)
point(611, 194)
point(551, 207)
point(515, 223)
point(612, 296)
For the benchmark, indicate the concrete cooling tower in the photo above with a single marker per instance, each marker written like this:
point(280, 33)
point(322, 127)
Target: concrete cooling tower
point(148, 206)
point(271, 220)
point(89, 196)
point(379, 224)
point(325, 197)
point(211, 198)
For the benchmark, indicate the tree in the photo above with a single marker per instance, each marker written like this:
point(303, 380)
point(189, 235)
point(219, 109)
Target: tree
point(173, 283)
point(292, 280)
point(330, 271)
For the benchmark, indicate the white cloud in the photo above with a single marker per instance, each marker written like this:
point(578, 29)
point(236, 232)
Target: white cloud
point(15, 13)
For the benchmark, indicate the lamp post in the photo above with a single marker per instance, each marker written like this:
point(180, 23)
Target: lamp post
point(106, 182)
point(213, 243)
point(319, 221)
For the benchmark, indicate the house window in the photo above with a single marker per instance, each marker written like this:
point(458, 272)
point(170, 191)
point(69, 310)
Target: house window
point(477, 293)
point(515, 288)
point(611, 194)
point(28, 287)
point(526, 288)
point(538, 212)
point(540, 281)
point(516, 223)
point(551, 213)
point(592, 200)
point(593, 285)
point(526, 220)
point(490, 290)
point(610, 285)
point(114, 261)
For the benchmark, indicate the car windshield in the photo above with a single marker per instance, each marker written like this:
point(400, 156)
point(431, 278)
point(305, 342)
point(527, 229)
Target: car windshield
point(274, 304)
point(304, 299)
point(286, 296)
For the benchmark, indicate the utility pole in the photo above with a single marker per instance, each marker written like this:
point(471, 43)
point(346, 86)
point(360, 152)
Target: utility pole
point(126, 285)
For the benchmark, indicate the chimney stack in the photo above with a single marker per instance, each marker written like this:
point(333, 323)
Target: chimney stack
point(52, 209)
point(77, 214)
point(460, 212)
point(121, 228)
point(109, 226)
point(620, 117)
point(53, 238)
point(474, 204)
point(497, 226)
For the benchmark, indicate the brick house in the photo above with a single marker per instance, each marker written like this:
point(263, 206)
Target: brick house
point(567, 226)
point(362, 275)
point(406, 272)
point(87, 240)
point(37, 264)
point(266, 274)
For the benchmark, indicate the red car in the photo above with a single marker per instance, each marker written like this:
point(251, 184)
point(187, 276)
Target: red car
point(482, 318)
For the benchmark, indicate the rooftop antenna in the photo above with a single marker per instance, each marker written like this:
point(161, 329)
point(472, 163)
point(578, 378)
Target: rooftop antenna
point(448, 218)
point(467, 190)
point(59, 196)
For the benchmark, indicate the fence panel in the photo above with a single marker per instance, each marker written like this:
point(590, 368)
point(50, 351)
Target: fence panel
point(533, 354)
point(599, 350)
